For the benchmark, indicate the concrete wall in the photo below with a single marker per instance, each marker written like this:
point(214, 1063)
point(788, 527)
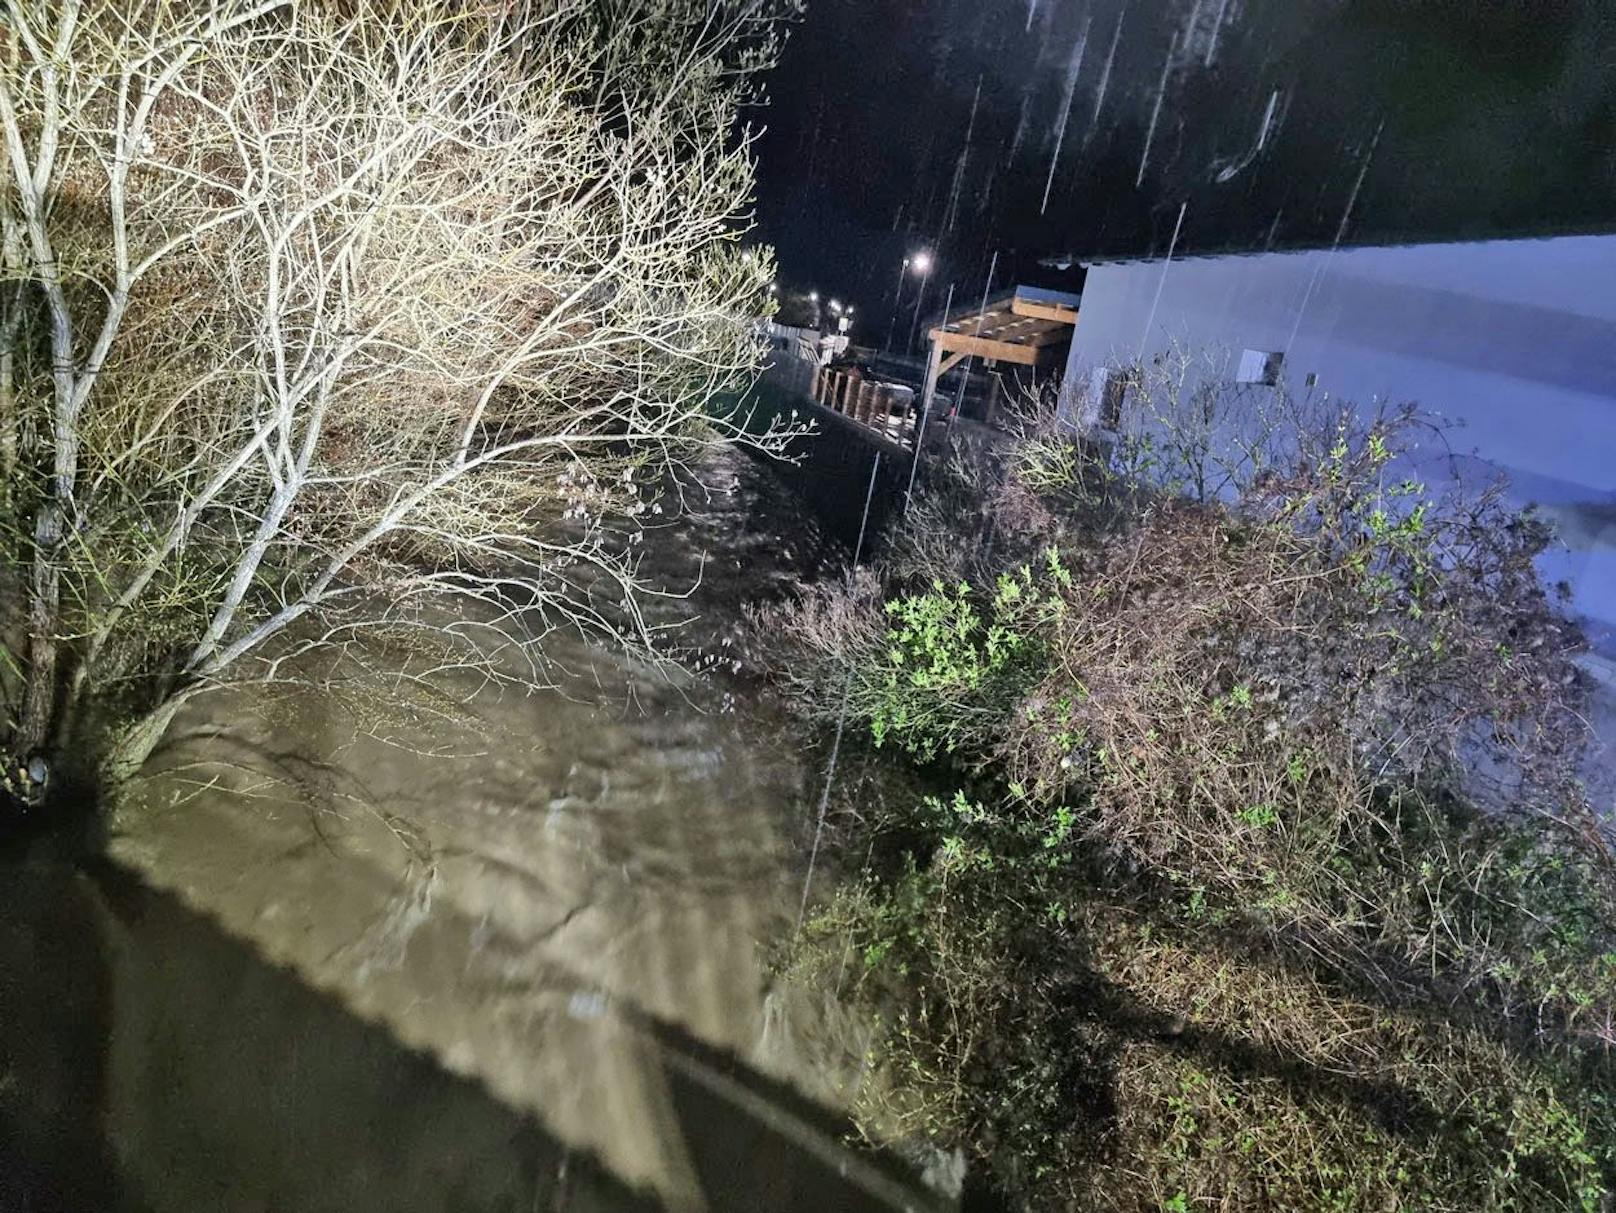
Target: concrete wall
point(1514, 340)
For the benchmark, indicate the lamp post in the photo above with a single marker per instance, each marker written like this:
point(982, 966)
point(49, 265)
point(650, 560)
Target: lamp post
point(897, 301)
point(923, 263)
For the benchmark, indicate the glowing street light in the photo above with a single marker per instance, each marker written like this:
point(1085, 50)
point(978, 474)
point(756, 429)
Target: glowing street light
point(922, 263)
point(813, 296)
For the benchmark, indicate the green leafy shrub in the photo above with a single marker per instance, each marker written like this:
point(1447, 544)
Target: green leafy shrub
point(1269, 883)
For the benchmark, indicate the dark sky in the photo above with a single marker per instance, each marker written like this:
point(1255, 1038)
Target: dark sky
point(900, 124)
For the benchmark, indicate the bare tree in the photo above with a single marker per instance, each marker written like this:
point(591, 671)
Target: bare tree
point(1184, 424)
point(320, 314)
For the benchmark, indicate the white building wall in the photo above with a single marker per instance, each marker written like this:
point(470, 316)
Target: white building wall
point(1514, 340)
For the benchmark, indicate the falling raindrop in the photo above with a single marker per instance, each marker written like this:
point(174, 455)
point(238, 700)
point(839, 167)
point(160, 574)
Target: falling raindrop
point(1272, 229)
point(1105, 75)
point(1233, 169)
point(952, 211)
point(1021, 127)
point(1172, 247)
point(1217, 29)
point(1066, 112)
point(1155, 112)
point(985, 195)
point(1352, 199)
point(981, 321)
point(1340, 233)
point(1190, 30)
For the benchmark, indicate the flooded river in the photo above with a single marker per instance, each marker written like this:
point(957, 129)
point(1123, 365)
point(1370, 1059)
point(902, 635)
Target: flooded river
point(335, 955)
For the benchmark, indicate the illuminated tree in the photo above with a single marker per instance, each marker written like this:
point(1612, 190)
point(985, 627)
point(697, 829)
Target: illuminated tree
point(328, 317)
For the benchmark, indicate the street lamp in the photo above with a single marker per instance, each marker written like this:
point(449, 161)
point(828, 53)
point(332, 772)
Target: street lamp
point(922, 262)
point(919, 262)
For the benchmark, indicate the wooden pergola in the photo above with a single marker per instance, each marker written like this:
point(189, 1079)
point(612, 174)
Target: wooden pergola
point(1016, 328)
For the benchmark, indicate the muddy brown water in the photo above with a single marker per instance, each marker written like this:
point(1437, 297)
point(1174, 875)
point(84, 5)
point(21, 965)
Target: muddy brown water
point(508, 956)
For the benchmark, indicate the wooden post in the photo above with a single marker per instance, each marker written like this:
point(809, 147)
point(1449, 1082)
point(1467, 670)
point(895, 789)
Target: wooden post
point(934, 364)
point(995, 386)
point(881, 406)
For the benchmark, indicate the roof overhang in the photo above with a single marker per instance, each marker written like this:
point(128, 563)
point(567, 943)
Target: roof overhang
point(1023, 328)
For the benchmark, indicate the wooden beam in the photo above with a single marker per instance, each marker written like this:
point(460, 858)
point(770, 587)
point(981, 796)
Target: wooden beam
point(984, 347)
point(1058, 312)
point(1050, 337)
point(983, 321)
point(951, 362)
point(1002, 332)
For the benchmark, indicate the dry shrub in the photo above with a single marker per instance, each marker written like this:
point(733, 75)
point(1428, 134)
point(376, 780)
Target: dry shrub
point(826, 621)
point(1322, 730)
point(1131, 1061)
point(1274, 1090)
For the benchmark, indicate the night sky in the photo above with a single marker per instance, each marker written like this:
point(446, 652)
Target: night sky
point(1039, 128)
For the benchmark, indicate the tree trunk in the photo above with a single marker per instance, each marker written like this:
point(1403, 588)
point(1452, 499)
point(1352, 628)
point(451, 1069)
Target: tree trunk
point(12, 256)
point(10, 324)
point(135, 743)
point(39, 703)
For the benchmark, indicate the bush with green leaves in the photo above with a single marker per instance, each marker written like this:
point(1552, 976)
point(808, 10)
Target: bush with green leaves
point(1268, 881)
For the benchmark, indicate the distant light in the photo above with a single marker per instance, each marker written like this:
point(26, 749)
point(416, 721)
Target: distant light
point(774, 289)
point(921, 262)
point(835, 305)
point(813, 296)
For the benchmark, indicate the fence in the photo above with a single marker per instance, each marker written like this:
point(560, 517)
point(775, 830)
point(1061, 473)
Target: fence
point(886, 408)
